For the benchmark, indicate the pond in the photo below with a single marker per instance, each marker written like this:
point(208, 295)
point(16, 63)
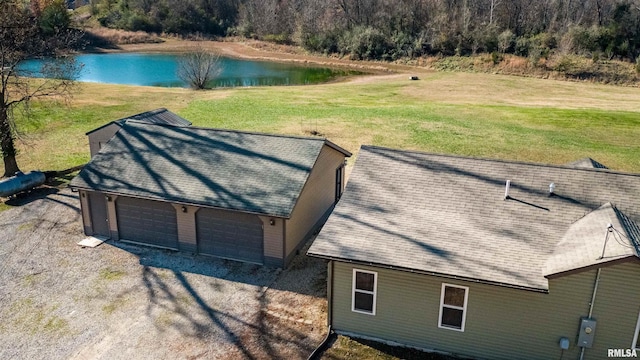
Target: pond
point(161, 70)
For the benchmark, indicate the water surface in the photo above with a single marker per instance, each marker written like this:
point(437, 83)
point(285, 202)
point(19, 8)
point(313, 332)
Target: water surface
point(161, 70)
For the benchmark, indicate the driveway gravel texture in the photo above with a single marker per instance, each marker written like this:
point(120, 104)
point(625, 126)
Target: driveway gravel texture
point(120, 301)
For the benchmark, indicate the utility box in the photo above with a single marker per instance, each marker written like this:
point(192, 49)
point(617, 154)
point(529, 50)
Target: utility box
point(587, 332)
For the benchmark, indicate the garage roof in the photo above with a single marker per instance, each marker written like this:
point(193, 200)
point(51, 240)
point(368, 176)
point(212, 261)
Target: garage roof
point(447, 216)
point(158, 116)
point(249, 172)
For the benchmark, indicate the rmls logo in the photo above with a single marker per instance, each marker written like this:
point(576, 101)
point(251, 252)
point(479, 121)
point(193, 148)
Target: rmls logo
point(622, 353)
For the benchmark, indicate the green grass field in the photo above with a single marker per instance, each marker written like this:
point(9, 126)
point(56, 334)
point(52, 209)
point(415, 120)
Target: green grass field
point(480, 115)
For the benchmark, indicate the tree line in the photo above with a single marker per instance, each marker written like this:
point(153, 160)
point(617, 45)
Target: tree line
point(392, 29)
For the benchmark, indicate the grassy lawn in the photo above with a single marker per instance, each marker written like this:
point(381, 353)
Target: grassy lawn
point(481, 115)
point(344, 348)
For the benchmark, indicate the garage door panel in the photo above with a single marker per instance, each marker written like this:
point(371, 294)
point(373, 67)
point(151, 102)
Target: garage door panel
point(146, 221)
point(230, 235)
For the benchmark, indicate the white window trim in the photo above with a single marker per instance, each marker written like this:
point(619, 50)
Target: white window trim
point(464, 308)
point(636, 335)
point(374, 292)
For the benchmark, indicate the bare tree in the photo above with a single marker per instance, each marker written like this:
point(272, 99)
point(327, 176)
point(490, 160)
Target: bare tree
point(492, 8)
point(22, 38)
point(199, 67)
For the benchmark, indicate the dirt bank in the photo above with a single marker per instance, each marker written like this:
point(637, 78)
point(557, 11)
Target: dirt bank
point(259, 50)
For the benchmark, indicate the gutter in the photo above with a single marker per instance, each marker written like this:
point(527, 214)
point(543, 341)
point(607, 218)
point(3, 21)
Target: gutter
point(75, 188)
point(431, 273)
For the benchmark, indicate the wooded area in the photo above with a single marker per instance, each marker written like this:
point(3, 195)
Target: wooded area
point(392, 29)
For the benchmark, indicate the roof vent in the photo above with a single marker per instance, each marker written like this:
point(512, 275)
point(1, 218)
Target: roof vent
point(506, 190)
point(552, 187)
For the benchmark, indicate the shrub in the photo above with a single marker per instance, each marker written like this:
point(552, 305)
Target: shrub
point(326, 42)
point(55, 18)
point(364, 43)
point(138, 22)
point(522, 46)
point(444, 43)
point(496, 58)
point(506, 40)
point(403, 44)
point(282, 39)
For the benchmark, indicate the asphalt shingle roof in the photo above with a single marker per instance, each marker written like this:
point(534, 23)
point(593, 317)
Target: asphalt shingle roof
point(159, 116)
point(588, 163)
point(257, 173)
point(587, 243)
point(447, 215)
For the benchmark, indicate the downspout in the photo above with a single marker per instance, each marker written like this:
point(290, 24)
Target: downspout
point(330, 293)
point(593, 300)
point(317, 353)
point(595, 290)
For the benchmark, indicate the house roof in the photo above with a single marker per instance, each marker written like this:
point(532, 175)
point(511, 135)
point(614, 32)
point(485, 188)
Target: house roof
point(157, 116)
point(587, 244)
point(249, 172)
point(447, 215)
point(588, 163)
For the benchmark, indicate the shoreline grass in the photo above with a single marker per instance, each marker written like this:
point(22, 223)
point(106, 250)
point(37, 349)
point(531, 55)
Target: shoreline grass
point(478, 115)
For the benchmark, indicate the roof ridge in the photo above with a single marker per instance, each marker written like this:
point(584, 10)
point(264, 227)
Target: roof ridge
point(515, 162)
point(630, 227)
point(149, 112)
point(232, 131)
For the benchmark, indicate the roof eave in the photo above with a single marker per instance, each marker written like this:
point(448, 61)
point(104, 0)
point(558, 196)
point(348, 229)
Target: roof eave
point(186, 203)
point(338, 148)
point(602, 264)
point(431, 273)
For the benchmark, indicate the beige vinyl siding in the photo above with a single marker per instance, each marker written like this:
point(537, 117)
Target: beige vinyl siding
point(616, 307)
point(101, 136)
point(186, 227)
point(86, 217)
point(316, 198)
point(501, 323)
point(273, 240)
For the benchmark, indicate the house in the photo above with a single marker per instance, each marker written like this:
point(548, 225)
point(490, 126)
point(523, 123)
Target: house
point(98, 137)
point(238, 195)
point(484, 258)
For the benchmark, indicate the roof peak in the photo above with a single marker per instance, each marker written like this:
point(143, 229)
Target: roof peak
point(587, 163)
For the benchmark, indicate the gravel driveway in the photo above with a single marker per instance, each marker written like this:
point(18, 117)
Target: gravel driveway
point(119, 301)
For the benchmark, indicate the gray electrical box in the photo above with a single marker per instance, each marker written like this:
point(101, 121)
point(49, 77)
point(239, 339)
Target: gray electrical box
point(587, 332)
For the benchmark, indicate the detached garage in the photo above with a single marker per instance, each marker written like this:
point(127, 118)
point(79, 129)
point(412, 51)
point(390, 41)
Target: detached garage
point(236, 195)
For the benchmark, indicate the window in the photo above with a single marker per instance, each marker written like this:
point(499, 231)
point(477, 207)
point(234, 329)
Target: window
point(453, 307)
point(339, 181)
point(364, 292)
point(636, 337)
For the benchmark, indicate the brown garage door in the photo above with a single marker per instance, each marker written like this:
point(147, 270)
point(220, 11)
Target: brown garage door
point(229, 235)
point(148, 222)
